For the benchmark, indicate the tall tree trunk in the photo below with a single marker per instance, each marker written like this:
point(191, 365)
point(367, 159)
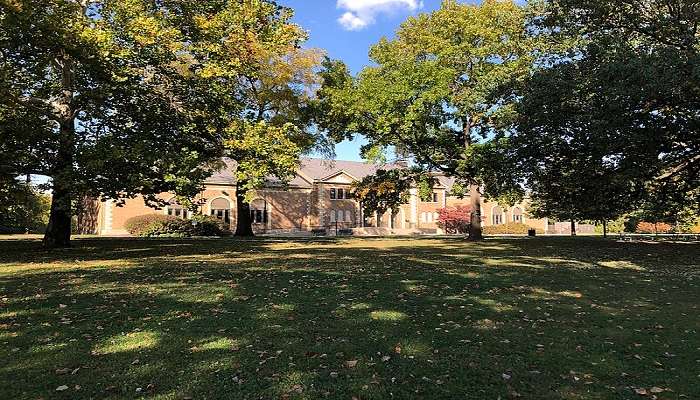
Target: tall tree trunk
point(58, 229)
point(573, 228)
point(475, 231)
point(605, 228)
point(244, 222)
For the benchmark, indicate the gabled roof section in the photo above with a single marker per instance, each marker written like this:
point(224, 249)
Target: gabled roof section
point(320, 169)
point(339, 174)
point(317, 170)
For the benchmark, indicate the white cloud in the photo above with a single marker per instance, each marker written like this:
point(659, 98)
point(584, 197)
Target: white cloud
point(360, 13)
point(352, 22)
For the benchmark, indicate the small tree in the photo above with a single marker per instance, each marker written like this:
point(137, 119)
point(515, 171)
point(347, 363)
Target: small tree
point(455, 219)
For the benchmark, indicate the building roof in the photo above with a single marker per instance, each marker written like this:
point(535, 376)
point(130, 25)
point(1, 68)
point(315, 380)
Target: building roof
point(310, 170)
point(318, 169)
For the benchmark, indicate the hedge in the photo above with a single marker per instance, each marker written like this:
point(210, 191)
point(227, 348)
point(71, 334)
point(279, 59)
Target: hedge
point(511, 228)
point(158, 225)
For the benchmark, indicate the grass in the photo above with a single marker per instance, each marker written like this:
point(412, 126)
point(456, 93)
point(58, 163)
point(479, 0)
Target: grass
point(547, 318)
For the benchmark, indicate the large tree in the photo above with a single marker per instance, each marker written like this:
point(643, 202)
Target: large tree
point(573, 163)
point(113, 99)
point(623, 102)
point(442, 90)
point(277, 120)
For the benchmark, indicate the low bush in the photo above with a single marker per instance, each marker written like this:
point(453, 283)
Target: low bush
point(651, 227)
point(157, 225)
point(210, 226)
point(511, 228)
point(141, 224)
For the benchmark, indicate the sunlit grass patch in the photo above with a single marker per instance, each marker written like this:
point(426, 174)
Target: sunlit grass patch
point(217, 343)
point(132, 341)
point(387, 315)
point(621, 265)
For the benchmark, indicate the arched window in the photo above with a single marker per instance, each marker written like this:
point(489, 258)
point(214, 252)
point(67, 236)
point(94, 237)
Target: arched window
point(348, 216)
point(221, 209)
point(333, 216)
point(176, 210)
point(496, 215)
point(517, 214)
point(259, 211)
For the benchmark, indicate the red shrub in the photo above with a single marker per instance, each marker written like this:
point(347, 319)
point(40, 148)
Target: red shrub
point(455, 219)
point(650, 227)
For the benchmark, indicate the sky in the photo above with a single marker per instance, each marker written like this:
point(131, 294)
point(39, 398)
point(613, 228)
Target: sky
point(346, 29)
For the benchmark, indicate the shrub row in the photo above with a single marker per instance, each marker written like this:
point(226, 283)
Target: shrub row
point(511, 228)
point(157, 225)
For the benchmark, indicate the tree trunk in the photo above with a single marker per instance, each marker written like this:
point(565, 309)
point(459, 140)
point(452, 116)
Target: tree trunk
point(573, 228)
point(605, 228)
point(244, 223)
point(475, 232)
point(59, 228)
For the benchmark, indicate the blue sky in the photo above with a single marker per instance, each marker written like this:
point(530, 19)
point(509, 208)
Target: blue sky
point(346, 29)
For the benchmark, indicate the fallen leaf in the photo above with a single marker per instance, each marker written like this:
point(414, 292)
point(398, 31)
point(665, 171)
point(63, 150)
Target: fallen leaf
point(61, 388)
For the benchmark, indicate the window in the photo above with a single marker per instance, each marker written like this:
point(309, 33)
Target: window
point(517, 215)
point(496, 215)
point(348, 216)
point(176, 210)
point(340, 194)
point(435, 197)
point(221, 209)
point(258, 216)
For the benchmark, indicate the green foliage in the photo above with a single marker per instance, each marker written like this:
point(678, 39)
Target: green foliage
point(118, 98)
point(23, 208)
point(614, 226)
point(262, 150)
point(383, 191)
point(511, 228)
point(206, 225)
point(610, 124)
point(159, 225)
point(141, 224)
point(441, 90)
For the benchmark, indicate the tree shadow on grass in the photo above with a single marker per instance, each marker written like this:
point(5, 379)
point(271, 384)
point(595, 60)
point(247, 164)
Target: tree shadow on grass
point(546, 319)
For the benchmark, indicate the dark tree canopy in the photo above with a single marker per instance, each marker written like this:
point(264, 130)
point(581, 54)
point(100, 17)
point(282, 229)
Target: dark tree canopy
point(113, 99)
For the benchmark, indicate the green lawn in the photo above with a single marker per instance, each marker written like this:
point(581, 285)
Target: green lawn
point(547, 318)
